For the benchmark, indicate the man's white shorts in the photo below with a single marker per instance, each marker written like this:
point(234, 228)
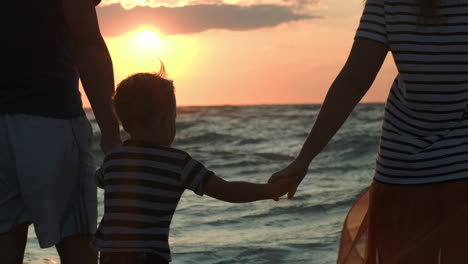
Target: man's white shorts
point(47, 176)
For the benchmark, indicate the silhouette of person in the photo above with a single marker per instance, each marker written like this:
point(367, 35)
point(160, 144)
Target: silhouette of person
point(46, 170)
point(417, 206)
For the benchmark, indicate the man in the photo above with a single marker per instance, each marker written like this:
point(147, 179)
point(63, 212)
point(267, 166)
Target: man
point(46, 172)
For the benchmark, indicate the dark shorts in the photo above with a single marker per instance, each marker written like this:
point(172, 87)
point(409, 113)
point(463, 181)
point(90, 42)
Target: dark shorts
point(47, 176)
point(131, 258)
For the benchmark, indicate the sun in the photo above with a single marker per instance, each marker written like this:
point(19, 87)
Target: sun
point(139, 50)
point(145, 47)
point(146, 39)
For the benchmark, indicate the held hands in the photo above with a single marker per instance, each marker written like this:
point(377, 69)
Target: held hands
point(280, 187)
point(295, 172)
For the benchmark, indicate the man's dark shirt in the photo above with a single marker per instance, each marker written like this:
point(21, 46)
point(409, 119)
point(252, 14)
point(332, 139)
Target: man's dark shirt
point(40, 77)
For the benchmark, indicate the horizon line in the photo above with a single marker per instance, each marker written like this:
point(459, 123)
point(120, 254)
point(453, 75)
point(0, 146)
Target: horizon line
point(225, 105)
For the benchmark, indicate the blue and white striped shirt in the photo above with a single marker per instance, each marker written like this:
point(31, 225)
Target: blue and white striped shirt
point(142, 186)
point(425, 128)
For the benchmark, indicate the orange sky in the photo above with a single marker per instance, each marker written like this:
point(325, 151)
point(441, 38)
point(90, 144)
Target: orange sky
point(293, 62)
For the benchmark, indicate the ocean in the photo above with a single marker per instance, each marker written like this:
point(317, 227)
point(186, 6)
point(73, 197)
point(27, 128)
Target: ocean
point(249, 143)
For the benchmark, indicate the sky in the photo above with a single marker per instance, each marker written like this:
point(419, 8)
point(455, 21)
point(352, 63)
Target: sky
point(237, 52)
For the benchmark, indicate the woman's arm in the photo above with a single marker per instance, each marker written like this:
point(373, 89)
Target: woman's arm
point(352, 83)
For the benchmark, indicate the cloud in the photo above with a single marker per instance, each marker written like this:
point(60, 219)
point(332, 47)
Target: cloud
point(129, 4)
point(302, 3)
point(116, 21)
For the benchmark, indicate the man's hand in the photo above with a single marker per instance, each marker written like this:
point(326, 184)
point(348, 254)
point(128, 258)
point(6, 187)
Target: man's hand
point(295, 172)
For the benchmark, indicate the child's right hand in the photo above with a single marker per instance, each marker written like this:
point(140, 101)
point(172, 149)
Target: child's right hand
point(280, 187)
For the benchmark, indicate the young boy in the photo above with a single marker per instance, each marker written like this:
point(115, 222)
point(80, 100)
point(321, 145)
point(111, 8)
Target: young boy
point(144, 179)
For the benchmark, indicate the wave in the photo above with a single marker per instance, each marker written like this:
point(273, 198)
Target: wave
point(250, 141)
point(275, 156)
point(215, 137)
point(189, 110)
point(239, 164)
point(352, 145)
point(299, 207)
point(209, 137)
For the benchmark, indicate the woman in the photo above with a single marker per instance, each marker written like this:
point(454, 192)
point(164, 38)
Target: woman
point(416, 208)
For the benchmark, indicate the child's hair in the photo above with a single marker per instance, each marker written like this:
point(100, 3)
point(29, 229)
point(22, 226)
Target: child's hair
point(141, 96)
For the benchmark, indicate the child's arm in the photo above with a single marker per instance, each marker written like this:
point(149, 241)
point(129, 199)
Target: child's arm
point(244, 192)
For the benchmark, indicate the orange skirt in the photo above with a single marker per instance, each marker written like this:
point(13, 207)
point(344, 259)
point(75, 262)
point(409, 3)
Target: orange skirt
point(394, 224)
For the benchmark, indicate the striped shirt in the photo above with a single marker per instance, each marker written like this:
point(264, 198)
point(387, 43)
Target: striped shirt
point(142, 186)
point(425, 127)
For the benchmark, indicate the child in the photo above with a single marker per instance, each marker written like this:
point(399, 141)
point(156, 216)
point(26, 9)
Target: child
point(144, 179)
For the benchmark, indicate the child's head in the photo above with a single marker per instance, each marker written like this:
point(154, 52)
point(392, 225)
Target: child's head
point(145, 105)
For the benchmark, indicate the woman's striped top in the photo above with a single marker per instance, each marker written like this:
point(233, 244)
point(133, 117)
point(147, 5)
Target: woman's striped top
point(425, 127)
point(142, 186)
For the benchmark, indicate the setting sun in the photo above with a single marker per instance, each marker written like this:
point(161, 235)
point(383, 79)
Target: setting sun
point(141, 47)
point(142, 50)
point(147, 39)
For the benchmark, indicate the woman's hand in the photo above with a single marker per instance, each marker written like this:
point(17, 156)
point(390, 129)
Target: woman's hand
point(277, 188)
point(296, 171)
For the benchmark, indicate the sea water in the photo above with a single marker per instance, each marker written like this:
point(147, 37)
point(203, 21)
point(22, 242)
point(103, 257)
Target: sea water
point(249, 143)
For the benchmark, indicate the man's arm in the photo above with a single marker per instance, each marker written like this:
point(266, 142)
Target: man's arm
point(94, 66)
